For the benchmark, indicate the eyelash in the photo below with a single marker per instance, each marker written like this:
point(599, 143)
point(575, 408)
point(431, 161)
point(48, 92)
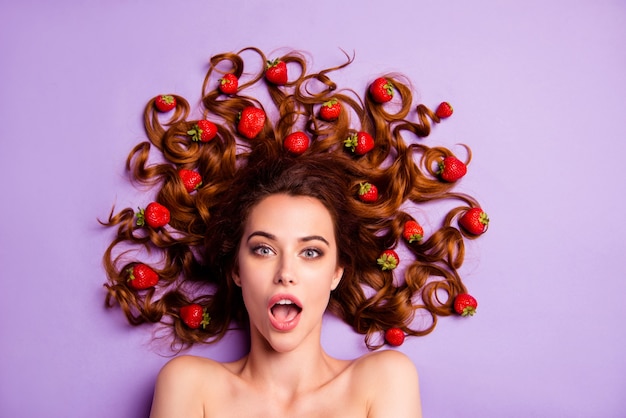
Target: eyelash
point(259, 248)
point(318, 252)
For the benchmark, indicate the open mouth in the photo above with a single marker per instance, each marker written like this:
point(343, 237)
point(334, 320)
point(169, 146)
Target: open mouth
point(284, 312)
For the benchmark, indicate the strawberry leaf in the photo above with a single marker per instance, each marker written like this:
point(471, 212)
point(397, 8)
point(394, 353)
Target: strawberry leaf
point(141, 217)
point(195, 133)
point(351, 142)
point(389, 87)
point(206, 319)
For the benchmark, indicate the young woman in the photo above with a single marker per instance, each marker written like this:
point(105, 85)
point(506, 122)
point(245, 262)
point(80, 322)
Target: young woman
point(297, 213)
point(287, 258)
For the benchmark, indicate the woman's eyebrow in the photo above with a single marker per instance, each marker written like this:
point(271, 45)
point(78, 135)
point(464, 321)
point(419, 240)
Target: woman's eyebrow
point(273, 237)
point(315, 238)
point(261, 234)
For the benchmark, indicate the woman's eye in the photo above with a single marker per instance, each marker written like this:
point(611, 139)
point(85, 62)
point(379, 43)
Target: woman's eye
point(312, 253)
point(262, 250)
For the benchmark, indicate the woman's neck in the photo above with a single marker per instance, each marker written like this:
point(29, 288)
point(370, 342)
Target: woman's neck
point(288, 374)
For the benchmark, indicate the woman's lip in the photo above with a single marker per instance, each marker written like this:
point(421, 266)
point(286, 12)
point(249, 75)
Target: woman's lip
point(283, 296)
point(283, 326)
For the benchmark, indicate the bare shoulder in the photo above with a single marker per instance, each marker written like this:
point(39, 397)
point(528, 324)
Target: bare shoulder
point(387, 363)
point(187, 370)
point(180, 388)
point(391, 381)
point(187, 364)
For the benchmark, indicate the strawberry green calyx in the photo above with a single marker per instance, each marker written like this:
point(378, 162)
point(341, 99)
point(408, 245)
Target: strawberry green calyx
point(206, 319)
point(484, 219)
point(272, 63)
point(415, 238)
point(195, 133)
point(330, 102)
point(388, 260)
point(351, 142)
point(141, 217)
point(440, 167)
point(389, 88)
point(468, 311)
point(364, 188)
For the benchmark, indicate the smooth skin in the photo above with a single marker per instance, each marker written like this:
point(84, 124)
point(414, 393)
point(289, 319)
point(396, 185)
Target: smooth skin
point(288, 249)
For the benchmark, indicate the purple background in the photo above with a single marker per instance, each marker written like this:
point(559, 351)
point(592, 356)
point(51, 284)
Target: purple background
point(538, 89)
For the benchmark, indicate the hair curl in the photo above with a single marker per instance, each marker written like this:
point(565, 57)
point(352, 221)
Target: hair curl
point(199, 245)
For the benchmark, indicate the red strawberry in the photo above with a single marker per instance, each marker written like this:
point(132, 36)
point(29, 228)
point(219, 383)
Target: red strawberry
point(444, 110)
point(195, 316)
point(465, 304)
point(359, 143)
point(155, 215)
point(394, 336)
point(251, 122)
point(203, 131)
point(165, 102)
point(388, 260)
point(474, 221)
point(276, 72)
point(330, 110)
point(451, 169)
point(141, 276)
point(412, 231)
point(191, 179)
point(381, 90)
point(296, 143)
point(229, 84)
point(368, 192)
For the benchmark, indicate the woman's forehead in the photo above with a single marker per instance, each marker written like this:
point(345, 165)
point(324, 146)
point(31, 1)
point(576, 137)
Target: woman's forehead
point(290, 213)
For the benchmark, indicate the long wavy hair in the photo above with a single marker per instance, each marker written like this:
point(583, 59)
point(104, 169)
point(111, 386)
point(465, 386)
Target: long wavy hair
point(199, 245)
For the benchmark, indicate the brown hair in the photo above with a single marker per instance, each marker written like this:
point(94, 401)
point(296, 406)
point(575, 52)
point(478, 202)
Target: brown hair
point(199, 245)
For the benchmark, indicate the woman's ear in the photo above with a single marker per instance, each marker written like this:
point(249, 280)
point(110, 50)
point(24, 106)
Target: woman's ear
point(236, 277)
point(336, 278)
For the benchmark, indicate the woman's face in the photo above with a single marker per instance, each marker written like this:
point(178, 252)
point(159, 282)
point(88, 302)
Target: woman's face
point(287, 267)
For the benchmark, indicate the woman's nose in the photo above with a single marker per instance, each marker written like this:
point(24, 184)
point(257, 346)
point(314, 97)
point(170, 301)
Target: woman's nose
point(285, 274)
